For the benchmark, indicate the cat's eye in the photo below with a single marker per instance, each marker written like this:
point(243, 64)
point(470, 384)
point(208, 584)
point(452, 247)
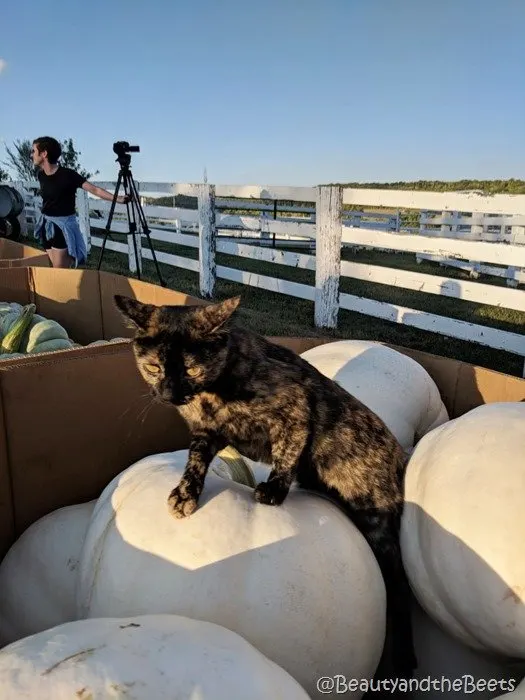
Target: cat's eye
point(193, 371)
point(152, 369)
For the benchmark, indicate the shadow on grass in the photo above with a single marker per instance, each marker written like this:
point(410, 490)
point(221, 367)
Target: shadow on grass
point(271, 313)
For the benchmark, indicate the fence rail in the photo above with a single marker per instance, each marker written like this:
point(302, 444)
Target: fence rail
point(485, 234)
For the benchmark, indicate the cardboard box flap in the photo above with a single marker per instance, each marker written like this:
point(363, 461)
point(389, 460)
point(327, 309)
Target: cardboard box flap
point(77, 421)
point(478, 385)
point(299, 345)
point(110, 284)
point(14, 285)
point(15, 254)
point(71, 297)
point(463, 386)
point(6, 496)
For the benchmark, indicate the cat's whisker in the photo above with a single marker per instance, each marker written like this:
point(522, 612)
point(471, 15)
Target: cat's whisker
point(132, 405)
point(148, 409)
point(144, 411)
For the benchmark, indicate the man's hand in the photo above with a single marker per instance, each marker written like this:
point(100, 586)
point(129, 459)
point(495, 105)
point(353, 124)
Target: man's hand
point(104, 194)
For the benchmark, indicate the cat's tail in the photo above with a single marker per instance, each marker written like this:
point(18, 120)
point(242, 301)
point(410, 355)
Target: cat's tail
point(380, 528)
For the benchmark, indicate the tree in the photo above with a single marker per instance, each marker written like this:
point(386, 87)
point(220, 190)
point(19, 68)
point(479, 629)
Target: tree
point(70, 159)
point(3, 175)
point(20, 162)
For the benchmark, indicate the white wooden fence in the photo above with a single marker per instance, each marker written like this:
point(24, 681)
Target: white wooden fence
point(476, 227)
point(211, 231)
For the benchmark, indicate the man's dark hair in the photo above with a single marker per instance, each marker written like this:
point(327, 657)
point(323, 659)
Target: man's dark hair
point(51, 145)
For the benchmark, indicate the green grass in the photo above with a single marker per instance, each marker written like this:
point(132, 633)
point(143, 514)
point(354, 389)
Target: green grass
point(272, 313)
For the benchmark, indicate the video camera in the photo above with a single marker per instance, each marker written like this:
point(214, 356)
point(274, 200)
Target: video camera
point(122, 147)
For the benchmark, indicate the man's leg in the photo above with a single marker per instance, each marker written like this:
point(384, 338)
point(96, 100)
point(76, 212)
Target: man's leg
point(59, 254)
point(61, 257)
point(47, 247)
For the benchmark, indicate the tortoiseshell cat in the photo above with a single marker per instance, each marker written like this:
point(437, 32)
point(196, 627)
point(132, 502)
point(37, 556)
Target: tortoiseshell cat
point(233, 387)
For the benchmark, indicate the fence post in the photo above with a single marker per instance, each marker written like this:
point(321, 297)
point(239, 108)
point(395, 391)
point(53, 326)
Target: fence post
point(83, 217)
point(454, 226)
point(207, 240)
point(476, 227)
point(445, 228)
point(329, 210)
point(135, 239)
point(517, 235)
point(139, 233)
point(264, 230)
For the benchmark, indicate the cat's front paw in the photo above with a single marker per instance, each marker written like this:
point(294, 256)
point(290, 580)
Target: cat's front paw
point(181, 503)
point(270, 493)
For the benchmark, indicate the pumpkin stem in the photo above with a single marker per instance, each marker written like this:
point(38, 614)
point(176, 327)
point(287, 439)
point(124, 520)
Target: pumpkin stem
point(239, 469)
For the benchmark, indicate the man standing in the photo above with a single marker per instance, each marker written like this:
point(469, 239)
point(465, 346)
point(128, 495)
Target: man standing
point(58, 230)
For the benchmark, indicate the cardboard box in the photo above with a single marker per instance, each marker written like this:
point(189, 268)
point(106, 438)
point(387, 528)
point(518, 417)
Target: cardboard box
point(71, 420)
point(14, 254)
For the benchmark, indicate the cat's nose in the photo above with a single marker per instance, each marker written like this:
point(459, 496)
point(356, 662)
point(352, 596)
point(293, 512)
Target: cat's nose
point(165, 395)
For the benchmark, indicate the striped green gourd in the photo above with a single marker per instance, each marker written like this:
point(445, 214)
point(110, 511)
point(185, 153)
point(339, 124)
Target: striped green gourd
point(13, 338)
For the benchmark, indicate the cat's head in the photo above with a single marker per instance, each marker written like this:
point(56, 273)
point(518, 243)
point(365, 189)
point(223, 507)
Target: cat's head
point(180, 350)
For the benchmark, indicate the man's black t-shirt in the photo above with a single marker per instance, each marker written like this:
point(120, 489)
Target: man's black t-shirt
point(58, 191)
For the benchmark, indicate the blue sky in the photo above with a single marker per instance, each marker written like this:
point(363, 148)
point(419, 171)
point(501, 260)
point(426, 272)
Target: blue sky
point(280, 92)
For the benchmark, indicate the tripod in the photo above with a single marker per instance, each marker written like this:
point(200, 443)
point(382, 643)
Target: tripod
point(133, 208)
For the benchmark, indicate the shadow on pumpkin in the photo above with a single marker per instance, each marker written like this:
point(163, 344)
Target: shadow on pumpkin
point(209, 584)
point(151, 583)
point(194, 591)
point(442, 657)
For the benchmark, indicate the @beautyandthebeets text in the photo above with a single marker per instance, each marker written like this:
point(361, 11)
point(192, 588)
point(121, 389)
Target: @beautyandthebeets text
point(340, 684)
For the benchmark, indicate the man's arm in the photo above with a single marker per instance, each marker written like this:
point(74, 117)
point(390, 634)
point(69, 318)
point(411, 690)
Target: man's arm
point(104, 194)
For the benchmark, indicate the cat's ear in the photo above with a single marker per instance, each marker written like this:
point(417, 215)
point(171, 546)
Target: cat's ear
point(210, 318)
point(136, 314)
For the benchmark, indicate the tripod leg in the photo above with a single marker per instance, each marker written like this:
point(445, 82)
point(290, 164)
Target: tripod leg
point(144, 224)
point(110, 218)
point(131, 217)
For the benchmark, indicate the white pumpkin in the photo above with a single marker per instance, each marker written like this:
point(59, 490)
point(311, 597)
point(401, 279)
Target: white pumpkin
point(463, 527)
point(448, 669)
point(298, 581)
point(515, 691)
point(396, 387)
point(38, 573)
point(144, 658)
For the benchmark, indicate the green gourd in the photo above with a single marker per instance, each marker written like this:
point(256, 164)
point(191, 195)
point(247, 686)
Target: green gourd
point(12, 339)
point(53, 344)
point(36, 319)
point(10, 306)
point(44, 331)
point(7, 321)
